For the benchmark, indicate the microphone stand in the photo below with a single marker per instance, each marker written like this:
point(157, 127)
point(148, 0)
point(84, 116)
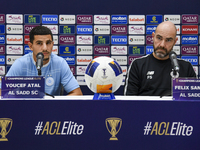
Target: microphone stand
point(174, 73)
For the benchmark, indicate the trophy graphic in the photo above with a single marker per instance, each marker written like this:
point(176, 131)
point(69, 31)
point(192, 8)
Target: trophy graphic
point(4, 122)
point(113, 126)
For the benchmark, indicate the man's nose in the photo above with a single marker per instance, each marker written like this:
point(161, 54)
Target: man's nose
point(162, 44)
point(44, 46)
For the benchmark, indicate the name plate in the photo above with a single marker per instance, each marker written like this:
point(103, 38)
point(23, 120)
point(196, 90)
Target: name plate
point(22, 87)
point(186, 89)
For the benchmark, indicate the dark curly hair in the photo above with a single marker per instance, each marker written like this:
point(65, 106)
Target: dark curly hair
point(39, 30)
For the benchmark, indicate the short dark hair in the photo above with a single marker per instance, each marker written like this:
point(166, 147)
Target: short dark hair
point(39, 30)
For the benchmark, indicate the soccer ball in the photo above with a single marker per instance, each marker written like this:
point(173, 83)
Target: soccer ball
point(103, 75)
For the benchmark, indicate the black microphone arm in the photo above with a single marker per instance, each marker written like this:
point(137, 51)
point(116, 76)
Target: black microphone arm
point(39, 63)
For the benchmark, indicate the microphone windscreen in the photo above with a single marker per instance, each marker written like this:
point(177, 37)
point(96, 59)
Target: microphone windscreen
point(40, 55)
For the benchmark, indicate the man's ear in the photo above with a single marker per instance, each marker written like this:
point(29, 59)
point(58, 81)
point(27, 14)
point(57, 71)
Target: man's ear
point(176, 40)
point(153, 34)
point(30, 45)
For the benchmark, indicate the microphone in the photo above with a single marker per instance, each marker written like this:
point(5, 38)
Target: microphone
point(174, 61)
point(39, 63)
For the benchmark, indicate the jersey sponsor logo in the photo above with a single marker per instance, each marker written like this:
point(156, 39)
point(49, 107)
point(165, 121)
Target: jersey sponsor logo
point(101, 50)
point(119, 19)
point(122, 60)
point(69, 59)
point(67, 29)
point(14, 49)
point(84, 29)
point(103, 39)
point(28, 28)
point(118, 39)
point(189, 50)
point(101, 19)
point(136, 19)
point(149, 39)
point(150, 74)
point(84, 50)
point(67, 19)
point(49, 81)
point(83, 60)
point(53, 28)
point(136, 50)
point(84, 39)
point(2, 49)
point(14, 39)
point(189, 39)
point(32, 19)
point(135, 40)
point(190, 19)
point(14, 29)
point(49, 19)
point(2, 29)
point(154, 19)
point(136, 29)
point(104, 29)
point(67, 39)
point(2, 39)
point(66, 50)
point(84, 19)
point(2, 60)
point(11, 18)
point(2, 18)
point(192, 59)
point(189, 29)
point(149, 49)
point(172, 18)
point(150, 29)
point(118, 29)
point(119, 50)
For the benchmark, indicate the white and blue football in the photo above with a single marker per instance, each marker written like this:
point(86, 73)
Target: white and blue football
point(103, 75)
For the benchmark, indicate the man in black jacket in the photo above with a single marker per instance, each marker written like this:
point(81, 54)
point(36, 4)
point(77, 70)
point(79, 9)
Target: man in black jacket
point(150, 75)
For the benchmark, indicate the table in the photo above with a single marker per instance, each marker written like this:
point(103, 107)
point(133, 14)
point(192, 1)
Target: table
point(76, 123)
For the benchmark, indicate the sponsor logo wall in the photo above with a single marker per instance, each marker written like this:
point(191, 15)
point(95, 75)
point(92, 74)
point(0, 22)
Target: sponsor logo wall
point(80, 38)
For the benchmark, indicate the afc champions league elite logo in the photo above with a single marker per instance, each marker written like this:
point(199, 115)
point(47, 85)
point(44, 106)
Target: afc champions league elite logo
point(113, 126)
point(4, 124)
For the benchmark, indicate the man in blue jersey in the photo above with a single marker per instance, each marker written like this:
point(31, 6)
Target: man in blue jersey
point(55, 69)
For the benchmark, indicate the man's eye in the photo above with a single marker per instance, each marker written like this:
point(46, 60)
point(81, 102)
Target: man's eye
point(169, 40)
point(159, 38)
